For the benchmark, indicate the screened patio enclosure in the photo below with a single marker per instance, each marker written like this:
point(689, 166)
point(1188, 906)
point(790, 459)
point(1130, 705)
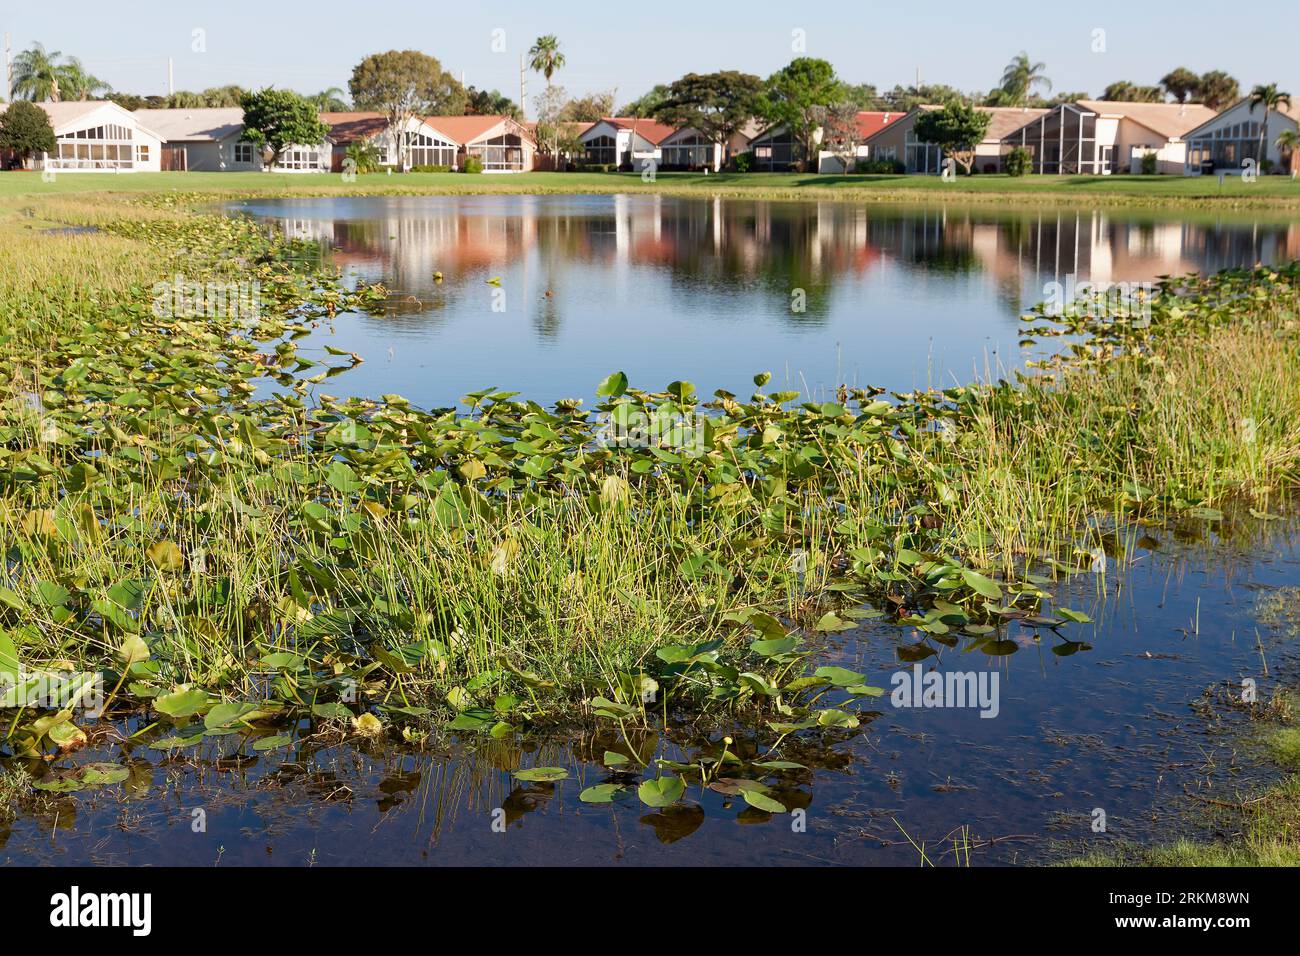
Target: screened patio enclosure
point(109, 146)
point(504, 153)
point(1064, 141)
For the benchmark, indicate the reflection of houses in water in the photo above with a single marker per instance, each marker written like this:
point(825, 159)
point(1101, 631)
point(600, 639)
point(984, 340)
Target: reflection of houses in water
point(779, 245)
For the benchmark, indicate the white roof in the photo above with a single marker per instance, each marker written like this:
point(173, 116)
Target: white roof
point(74, 113)
point(193, 125)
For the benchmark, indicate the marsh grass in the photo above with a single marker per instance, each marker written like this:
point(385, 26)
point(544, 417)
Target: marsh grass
point(152, 506)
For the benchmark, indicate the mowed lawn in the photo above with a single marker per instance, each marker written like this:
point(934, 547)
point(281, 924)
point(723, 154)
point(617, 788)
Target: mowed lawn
point(1123, 190)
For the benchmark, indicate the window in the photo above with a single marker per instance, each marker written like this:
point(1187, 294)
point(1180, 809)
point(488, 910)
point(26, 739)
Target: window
point(141, 153)
point(775, 152)
point(601, 151)
point(504, 152)
point(693, 150)
point(425, 150)
point(244, 153)
point(303, 159)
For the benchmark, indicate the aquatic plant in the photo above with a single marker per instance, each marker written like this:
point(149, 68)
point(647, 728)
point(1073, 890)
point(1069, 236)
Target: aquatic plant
point(189, 512)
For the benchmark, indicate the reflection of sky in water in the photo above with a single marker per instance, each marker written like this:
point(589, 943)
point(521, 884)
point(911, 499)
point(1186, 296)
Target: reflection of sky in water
point(667, 288)
point(1121, 725)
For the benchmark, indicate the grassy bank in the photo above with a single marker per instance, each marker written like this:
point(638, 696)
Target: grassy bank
point(1204, 191)
point(309, 555)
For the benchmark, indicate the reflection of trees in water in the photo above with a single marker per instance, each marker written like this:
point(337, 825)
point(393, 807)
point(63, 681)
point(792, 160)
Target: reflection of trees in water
point(768, 249)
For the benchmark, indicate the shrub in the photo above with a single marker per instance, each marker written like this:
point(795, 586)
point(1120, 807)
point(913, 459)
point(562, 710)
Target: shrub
point(472, 165)
point(1148, 166)
point(742, 162)
point(430, 169)
point(1019, 161)
point(364, 156)
point(887, 167)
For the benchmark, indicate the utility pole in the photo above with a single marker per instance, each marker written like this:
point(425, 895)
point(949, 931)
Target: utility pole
point(523, 89)
point(171, 78)
point(9, 70)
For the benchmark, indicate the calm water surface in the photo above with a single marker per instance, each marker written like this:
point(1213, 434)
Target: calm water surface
point(712, 291)
point(1134, 718)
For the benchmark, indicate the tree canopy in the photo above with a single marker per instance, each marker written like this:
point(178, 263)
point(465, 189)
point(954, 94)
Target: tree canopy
point(956, 129)
point(26, 129)
point(279, 119)
point(715, 104)
point(796, 96)
point(406, 83)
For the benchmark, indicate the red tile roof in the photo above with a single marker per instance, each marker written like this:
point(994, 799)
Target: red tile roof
point(469, 129)
point(350, 127)
point(870, 123)
point(652, 132)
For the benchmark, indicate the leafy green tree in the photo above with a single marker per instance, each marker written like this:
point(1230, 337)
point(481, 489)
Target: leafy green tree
point(903, 98)
point(956, 129)
point(1125, 92)
point(278, 119)
point(25, 128)
point(864, 96)
point(795, 97)
point(1218, 90)
point(646, 103)
point(1288, 141)
point(715, 104)
point(1181, 83)
point(1269, 97)
point(404, 84)
point(1020, 77)
point(490, 103)
point(588, 109)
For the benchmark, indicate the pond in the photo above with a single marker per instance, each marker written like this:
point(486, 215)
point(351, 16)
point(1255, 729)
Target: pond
point(546, 295)
point(1132, 712)
point(1134, 718)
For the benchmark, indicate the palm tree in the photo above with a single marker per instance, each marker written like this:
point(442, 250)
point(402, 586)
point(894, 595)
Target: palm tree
point(76, 83)
point(1288, 142)
point(1218, 90)
point(332, 100)
point(545, 57)
point(36, 74)
point(1271, 98)
point(1020, 76)
point(1181, 83)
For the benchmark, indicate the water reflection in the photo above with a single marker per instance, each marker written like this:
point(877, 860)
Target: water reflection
point(715, 290)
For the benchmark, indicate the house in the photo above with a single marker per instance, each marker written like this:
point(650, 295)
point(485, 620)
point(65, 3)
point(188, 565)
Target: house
point(501, 143)
point(203, 140)
point(869, 123)
point(425, 146)
point(1228, 139)
point(897, 141)
point(624, 141)
point(1105, 136)
point(688, 148)
point(98, 136)
point(774, 150)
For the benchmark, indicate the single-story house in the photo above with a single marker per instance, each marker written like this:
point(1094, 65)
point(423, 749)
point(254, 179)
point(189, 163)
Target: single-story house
point(688, 148)
point(896, 141)
point(502, 144)
point(98, 136)
point(1106, 136)
point(203, 140)
point(1229, 138)
point(425, 146)
point(869, 123)
point(624, 141)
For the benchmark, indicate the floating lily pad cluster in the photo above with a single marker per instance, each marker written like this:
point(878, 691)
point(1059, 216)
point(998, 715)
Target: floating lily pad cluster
point(187, 509)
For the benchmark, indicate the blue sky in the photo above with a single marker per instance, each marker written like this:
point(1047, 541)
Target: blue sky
point(309, 46)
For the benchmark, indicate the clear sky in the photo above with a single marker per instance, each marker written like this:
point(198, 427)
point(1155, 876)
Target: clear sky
point(632, 44)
